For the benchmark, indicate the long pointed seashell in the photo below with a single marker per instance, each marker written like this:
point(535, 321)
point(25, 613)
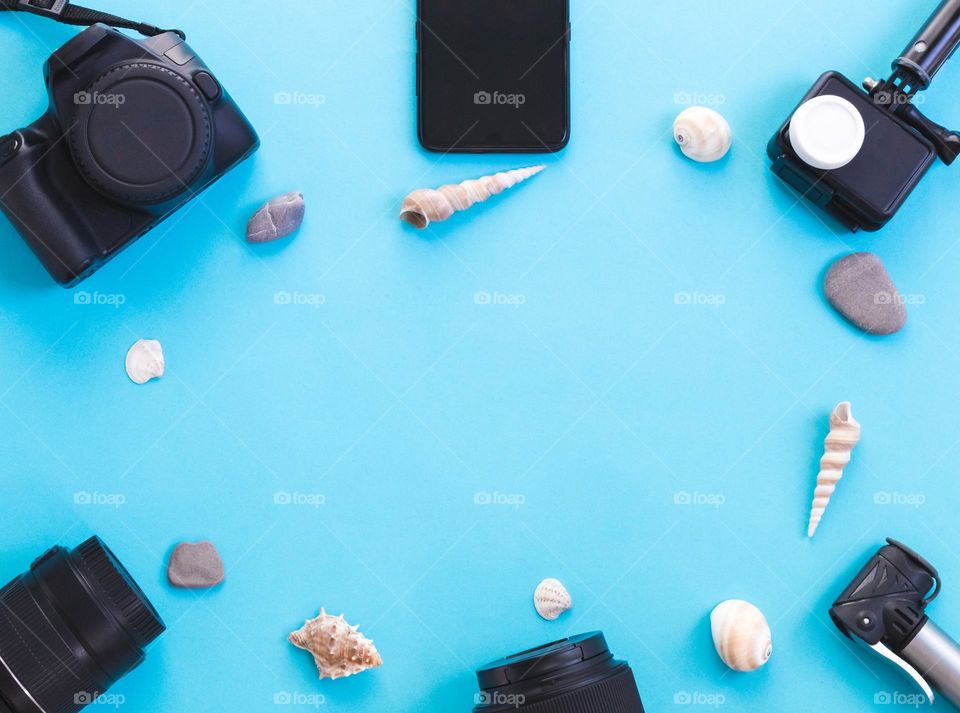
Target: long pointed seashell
point(844, 435)
point(429, 205)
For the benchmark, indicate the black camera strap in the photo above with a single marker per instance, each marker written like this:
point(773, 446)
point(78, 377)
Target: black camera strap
point(68, 14)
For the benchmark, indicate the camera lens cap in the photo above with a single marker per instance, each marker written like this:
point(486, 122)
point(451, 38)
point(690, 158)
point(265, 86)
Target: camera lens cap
point(827, 132)
point(142, 133)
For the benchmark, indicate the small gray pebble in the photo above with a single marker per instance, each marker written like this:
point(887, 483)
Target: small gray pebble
point(195, 566)
point(277, 218)
point(859, 287)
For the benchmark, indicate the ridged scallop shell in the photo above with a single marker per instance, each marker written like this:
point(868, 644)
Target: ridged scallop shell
point(145, 361)
point(741, 635)
point(338, 649)
point(702, 134)
point(551, 599)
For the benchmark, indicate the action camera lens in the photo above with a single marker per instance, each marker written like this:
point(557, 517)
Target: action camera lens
point(575, 675)
point(827, 132)
point(70, 627)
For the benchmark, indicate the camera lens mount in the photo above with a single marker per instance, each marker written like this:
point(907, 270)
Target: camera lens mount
point(141, 133)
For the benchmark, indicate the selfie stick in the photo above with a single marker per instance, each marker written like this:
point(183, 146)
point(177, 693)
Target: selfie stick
point(914, 70)
point(885, 606)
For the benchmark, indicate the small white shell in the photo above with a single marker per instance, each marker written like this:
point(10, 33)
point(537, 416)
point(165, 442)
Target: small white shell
point(145, 361)
point(741, 635)
point(551, 599)
point(702, 134)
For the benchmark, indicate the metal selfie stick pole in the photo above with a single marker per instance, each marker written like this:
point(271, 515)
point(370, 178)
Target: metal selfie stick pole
point(914, 70)
point(885, 606)
point(933, 45)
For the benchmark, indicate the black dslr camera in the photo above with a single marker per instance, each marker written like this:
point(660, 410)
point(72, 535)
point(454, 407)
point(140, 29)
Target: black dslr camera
point(135, 129)
point(858, 155)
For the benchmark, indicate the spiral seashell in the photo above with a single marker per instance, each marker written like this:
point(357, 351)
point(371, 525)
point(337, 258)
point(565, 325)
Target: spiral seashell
point(551, 599)
point(428, 205)
point(145, 361)
point(338, 649)
point(702, 134)
point(839, 444)
point(741, 635)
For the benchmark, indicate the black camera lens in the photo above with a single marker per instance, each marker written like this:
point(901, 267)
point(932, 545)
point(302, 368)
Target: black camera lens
point(70, 627)
point(574, 675)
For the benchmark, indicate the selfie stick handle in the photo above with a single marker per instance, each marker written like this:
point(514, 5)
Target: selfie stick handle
point(933, 45)
point(936, 657)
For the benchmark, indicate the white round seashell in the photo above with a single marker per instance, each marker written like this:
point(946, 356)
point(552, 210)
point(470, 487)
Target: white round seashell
point(551, 599)
point(702, 134)
point(827, 132)
point(145, 361)
point(741, 635)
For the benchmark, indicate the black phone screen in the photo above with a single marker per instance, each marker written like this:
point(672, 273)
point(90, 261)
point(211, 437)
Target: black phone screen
point(492, 75)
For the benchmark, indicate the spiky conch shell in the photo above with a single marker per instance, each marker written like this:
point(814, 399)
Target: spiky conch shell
point(338, 649)
point(433, 205)
point(839, 444)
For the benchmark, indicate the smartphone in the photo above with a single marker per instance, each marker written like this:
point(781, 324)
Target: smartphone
point(493, 75)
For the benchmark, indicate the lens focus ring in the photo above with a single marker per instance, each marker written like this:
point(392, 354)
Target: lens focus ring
point(129, 603)
point(36, 655)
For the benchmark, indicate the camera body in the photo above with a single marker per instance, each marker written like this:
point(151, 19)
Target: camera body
point(135, 129)
point(868, 191)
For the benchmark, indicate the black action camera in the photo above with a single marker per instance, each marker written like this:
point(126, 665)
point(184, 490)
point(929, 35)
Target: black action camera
point(135, 129)
point(859, 154)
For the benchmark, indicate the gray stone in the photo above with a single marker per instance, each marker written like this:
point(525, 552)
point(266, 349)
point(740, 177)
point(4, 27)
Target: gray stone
point(277, 218)
point(860, 289)
point(195, 566)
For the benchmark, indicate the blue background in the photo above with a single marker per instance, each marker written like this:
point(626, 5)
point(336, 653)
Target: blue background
point(594, 406)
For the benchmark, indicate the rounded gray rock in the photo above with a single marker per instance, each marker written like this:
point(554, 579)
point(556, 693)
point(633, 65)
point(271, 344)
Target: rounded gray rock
point(859, 287)
point(195, 566)
point(277, 218)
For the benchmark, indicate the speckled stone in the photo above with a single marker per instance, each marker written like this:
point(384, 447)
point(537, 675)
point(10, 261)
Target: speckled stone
point(277, 218)
point(859, 287)
point(195, 566)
